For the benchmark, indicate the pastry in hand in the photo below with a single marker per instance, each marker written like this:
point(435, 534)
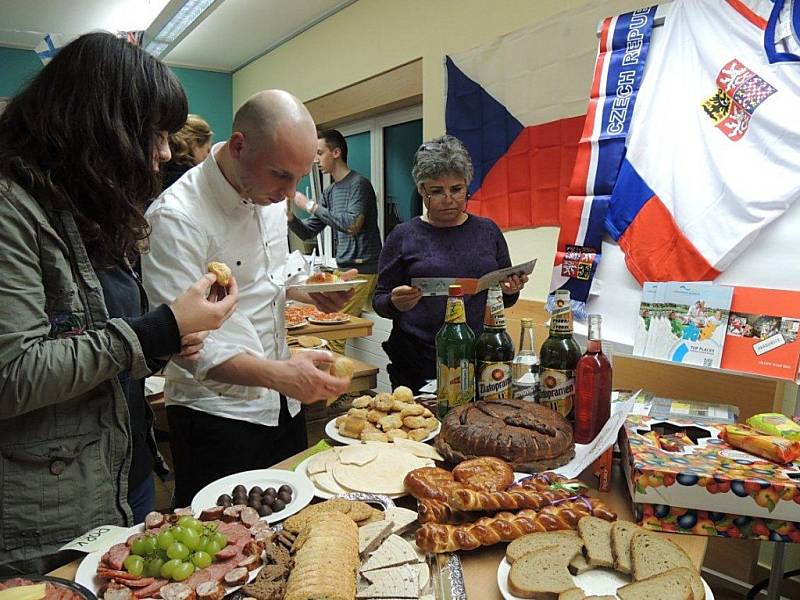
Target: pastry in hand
point(222, 271)
point(342, 367)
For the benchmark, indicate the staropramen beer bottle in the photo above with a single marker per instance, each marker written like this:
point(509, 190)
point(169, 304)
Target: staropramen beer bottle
point(558, 358)
point(455, 356)
point(494, 351)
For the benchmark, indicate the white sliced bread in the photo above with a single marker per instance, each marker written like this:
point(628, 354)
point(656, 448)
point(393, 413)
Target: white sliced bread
point(596, 534)
point(622, 533)
point(535, 541)
point(654, 554)
point(675, 584)
point(543, 574)
point(579, 565)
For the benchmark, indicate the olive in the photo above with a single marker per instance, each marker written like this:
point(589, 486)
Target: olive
point(285, 488)
point(240, 499)
point(285, 496)
point(256, 490)
point(254, 502)
point(239, 489)
point(224, 500)
point(264, 510)
point(278, 505)
point(271, 491)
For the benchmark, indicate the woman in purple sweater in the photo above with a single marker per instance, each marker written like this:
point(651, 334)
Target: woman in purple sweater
point(444, 242)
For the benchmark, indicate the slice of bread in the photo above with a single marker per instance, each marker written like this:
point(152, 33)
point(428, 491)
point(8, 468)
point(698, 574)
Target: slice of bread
point(579, 565)
point(542, 574)
point(575, 593)
point(622, 533)
point(596, 534)
point(675, 584)
point(534, 541)
point(654, 554)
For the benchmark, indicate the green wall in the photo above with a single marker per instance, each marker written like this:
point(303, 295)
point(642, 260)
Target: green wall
point(210, 94)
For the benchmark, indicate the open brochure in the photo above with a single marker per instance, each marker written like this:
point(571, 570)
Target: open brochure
point(437, 286)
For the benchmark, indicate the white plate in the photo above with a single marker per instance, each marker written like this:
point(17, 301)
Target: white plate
point(302, 468)
point(328, 321)
point(332, 432)
point(86, 574)
point(336, 286)
point(597, 582)
point(297, 325)
point(302, 490)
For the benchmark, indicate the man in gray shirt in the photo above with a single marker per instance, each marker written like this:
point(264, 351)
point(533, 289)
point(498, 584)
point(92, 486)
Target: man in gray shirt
point(350, 208)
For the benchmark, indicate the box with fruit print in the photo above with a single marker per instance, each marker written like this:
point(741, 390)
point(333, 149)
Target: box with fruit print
point(703, 486)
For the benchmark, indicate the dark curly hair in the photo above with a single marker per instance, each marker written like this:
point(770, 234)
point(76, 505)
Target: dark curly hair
point(82, 135)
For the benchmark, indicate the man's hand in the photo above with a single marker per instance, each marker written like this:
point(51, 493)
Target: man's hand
point(514, 283)
point(192, 344)
point(405, 297)
point(305, 381)
point(334, 301)
point(302, 201)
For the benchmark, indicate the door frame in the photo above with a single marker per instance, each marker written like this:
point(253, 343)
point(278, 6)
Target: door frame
point(375, 125)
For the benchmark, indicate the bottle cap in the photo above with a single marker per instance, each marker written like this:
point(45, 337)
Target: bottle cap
point(455, 291)
point(528, 322)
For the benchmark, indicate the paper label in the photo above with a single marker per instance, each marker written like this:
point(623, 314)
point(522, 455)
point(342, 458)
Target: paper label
point(99, 538)
point(557, 390)
point(772, 342)
point(456, 385)
point(494, 380)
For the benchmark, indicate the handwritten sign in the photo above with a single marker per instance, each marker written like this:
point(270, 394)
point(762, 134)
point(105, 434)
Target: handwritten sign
point(99, 538)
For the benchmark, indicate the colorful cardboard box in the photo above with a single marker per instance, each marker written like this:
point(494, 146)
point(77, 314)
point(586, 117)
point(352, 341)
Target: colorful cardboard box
point(709, 488)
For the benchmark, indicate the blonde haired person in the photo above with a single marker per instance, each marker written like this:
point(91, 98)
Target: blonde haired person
point(189, 146)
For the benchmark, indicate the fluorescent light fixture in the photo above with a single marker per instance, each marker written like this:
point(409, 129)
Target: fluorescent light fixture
point(175, 22)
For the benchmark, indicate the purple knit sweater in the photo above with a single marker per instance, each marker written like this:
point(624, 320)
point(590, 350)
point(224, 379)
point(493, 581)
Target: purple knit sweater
point(417, 249)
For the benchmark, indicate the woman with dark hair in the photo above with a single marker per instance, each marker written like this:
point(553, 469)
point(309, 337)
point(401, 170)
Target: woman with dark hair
point(189, 147)
point(80, 149)
point(445, 242)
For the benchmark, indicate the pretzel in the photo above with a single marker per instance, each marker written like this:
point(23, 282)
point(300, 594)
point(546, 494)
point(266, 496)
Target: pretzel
point(487, 474)
point(436, 511)
point(505, 526)
point(431, 483)
point(513, 499)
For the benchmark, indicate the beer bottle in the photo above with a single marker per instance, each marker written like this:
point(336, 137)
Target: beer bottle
point(525, 368)
point(494, 351)
point(558, 358)
point(455, 356)
point(592, 387)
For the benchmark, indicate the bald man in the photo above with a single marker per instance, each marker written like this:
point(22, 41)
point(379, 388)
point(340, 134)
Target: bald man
point(238, 406)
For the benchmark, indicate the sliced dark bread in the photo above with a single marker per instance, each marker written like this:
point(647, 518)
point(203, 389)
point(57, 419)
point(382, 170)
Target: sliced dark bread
point(654, 554)
point(596, 534)
point(542, 574)
point(622, 533)
point(675, 584)
point(535, 541)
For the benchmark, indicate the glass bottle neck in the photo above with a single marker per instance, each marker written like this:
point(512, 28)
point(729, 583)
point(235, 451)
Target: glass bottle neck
point(455, 311)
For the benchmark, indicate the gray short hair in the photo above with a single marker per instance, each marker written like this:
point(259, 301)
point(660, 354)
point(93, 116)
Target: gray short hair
point(439, 157)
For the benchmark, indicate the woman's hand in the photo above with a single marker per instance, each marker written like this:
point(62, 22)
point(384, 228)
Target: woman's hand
point(405, 297)
point(192, 344)
point(514, 284)
point(198, 310)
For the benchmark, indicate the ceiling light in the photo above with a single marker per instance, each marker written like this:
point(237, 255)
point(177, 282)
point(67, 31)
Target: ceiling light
point(174, 23)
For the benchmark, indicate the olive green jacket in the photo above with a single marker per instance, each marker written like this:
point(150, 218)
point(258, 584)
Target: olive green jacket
point(64, 426)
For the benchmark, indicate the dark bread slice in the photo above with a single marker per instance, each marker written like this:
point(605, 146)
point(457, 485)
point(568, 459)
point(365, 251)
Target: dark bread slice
point(622, 533)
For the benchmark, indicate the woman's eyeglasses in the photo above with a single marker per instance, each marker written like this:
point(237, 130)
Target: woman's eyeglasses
point(457, 192)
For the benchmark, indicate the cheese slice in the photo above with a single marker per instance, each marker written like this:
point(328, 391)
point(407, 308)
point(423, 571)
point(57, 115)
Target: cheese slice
point(372, 535)
point(401, 518)
point(420, 572)
point(394, 551)
point(398, 582)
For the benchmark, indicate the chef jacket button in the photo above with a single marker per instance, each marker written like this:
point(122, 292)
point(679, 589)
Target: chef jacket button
point(238, 263)
point(57, 467)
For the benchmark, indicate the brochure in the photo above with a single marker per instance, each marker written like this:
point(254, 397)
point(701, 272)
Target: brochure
point(437, 286)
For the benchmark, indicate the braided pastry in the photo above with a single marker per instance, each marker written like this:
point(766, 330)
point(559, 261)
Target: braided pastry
point(431, 482)
point(486, 474)
point(513, 499)
point(436, 511)
point(505, 526)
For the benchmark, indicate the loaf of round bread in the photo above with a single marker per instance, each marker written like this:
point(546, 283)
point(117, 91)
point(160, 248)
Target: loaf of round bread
point(529, 436)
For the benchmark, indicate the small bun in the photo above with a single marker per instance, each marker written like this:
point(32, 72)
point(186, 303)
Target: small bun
point(222, 271)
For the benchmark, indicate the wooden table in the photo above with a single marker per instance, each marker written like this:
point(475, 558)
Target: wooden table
point(480, 566)
point(355, 327)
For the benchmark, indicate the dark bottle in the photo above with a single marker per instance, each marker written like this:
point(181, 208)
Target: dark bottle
point(592, 387)
point(558, 358)
point(494, 351)
point(455, 356)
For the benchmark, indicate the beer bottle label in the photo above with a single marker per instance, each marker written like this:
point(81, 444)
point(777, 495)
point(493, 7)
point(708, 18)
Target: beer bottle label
point(494, 380)
point(455, 312)
point(561, 317)
point(557, 390)
point(456, 385)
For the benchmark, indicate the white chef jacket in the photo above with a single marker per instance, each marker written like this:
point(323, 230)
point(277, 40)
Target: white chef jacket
point(199, 219)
